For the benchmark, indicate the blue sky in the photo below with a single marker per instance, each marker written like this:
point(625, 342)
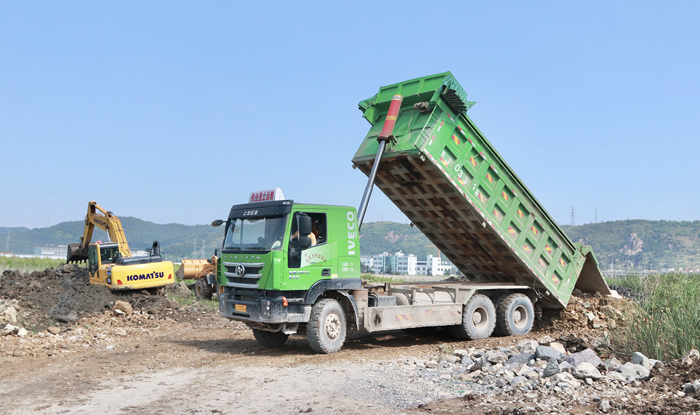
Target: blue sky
point(174, 111)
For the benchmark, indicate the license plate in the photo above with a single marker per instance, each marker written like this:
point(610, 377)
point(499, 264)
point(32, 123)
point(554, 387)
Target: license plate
point(241, 308)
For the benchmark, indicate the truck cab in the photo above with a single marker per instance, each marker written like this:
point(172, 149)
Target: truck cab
point(279, 257)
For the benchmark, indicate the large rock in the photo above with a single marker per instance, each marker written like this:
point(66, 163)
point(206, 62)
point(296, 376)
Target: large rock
point(691, 357)
point(546, 352)
point(609, 311)
point(612, 365)
point(527, 346)
point(123, 306)
point(558, 347)
point(565, 380)
point(520, 358)
point(587, 370)
point(495, 356)
point(8, 329)
point(640, 359)
point(551, 369)
point(633, 371)
point(451, 358)
point(587, 355)
point(8, 314)
point(467, 361)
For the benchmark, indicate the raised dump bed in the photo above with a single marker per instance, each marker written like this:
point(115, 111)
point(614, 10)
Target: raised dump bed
point(442, 172)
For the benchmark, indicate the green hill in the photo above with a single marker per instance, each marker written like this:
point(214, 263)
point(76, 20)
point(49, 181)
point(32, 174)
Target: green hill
point(639, 244)
point(642, 244)
point(177, 241)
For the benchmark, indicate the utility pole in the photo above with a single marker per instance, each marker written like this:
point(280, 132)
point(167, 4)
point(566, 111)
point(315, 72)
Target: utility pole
point(573, 218)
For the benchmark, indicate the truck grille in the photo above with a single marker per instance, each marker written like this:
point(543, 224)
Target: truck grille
point(250, 278)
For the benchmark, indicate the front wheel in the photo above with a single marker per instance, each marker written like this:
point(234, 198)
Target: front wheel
point(270, 339)
point(202, 289)
point(327, 326)
point(478, 319)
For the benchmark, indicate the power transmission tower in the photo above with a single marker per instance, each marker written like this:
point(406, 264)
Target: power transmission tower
point(596, 215)
point(573, 218)
point(7, 243)
point(203, 254)
point(194, 250)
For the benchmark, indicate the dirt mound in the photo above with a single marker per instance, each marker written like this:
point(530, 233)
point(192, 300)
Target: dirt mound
point(64, 295)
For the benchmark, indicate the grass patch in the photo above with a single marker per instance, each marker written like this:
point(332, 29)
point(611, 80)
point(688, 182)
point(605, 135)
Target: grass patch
point(374, 279)
point(28, 264)
point(666, 323)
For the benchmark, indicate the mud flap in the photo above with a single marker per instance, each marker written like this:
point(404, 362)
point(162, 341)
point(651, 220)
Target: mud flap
point(590, 279)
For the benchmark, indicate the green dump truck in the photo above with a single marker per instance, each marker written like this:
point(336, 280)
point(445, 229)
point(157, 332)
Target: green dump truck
point(287, 267)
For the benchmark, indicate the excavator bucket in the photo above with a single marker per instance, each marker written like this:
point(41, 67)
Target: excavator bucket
point(76, 254)
point(191, 269)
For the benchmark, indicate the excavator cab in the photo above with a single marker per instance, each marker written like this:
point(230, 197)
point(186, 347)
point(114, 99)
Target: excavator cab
point(99, 254)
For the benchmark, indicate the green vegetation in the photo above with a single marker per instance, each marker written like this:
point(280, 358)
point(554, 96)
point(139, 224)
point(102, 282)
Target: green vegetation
point(374, 279)
point(27, 264)
point(666, 323)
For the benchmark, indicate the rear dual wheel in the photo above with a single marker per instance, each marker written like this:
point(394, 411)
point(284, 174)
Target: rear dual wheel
point(515, 315)
point(478, 319)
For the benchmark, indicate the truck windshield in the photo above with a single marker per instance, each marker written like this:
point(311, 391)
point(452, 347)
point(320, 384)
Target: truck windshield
point(255, 233)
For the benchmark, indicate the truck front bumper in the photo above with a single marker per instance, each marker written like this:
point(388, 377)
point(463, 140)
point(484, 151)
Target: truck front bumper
point(260, 308)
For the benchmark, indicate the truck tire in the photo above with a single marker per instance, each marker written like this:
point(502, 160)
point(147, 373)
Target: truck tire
point(270, 339)
point(515, 315)
point(327, 326)
point(478, 319)
point(497, 330)
point(202, 289)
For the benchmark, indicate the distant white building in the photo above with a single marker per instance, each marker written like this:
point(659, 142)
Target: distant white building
point(405, 264)
point(400, 263)
point(380, 263)
point(53, 252)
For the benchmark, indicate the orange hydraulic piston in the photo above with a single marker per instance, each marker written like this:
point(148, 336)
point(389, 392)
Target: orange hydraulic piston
point(391, 116)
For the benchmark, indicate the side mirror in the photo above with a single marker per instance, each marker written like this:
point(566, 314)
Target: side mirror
point(217, 223)
point(304, 225)
point(304, 242)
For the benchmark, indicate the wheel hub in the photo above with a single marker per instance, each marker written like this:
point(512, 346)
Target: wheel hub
point(333, 326)
point(517, 316)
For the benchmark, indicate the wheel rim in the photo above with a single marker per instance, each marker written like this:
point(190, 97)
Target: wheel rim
point(480, 318)
point(333, 326)
point(520, 317)
point(198, 290)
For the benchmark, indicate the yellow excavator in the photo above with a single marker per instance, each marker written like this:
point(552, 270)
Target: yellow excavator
point(112, 263)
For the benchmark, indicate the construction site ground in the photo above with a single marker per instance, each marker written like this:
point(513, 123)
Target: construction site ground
point(182, 357)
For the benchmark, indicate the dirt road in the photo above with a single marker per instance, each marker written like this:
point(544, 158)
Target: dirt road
point(197, 362)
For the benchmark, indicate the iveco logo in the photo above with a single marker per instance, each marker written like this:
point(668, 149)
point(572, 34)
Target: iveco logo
point(240, 270)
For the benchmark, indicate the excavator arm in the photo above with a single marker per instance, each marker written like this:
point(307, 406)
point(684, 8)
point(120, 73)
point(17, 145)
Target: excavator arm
point(105, 220)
